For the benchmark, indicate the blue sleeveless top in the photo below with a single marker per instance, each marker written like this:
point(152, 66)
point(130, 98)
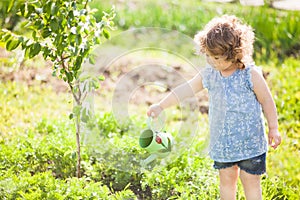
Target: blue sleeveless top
point(236, 120)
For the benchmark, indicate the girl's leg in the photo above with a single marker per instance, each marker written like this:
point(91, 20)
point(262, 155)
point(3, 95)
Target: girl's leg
point(251, 185)
point(228, 182)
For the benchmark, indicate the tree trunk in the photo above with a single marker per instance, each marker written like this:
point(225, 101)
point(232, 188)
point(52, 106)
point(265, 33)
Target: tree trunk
point(78, 174)
point(77, 101)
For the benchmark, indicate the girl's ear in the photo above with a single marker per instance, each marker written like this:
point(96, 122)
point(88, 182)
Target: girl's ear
point(240, 64)
point(237, 51)
point(238, 54)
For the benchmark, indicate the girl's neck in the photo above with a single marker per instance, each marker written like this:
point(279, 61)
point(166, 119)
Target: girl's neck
point(229, 71)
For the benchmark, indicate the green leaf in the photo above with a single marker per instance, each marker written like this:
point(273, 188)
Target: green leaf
point(94, 84)
point(71, 14)
point(21, 39)
point(101, 78)
point(76, 110)
point(97, 40)
point(85, 116)
point(34, 50)
point(11, 4)
point(54, 9)
point(78, 63)
point(82, 18)
point(24, 43)
point(12, 44)
point(54, 73)
point(47, 8)
point(1, 35)
point(78, 39)
point(34, 35)
point(30, 9)
point(71, 116)
point(27, 49)
point(22, 9)
point(6, 37)
point(69, 76)
point(46, 33)
point(106, 34)
point(38, 24)
point(46, 52)
point(54, 25)
point(58, 39)
point(92, 59)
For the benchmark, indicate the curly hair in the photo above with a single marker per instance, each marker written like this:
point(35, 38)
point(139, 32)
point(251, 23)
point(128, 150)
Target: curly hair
point(227, 36)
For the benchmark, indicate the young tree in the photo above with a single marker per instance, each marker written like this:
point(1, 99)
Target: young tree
point(64, 32)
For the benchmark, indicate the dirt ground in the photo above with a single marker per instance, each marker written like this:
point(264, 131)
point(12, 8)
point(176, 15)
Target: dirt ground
point(123, 78)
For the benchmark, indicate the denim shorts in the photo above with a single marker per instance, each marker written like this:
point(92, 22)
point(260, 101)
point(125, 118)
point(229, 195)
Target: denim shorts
point(255, 165)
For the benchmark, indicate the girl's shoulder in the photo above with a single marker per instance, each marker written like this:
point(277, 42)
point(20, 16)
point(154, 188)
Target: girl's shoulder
point(252, 68)
point(208, 70)
point(207, 74)
point(251, 71)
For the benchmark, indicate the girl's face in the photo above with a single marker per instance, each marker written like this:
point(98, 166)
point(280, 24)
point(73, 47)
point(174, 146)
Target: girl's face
point(218, 62)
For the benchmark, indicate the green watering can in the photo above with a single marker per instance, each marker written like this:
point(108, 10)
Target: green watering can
point(158, 144)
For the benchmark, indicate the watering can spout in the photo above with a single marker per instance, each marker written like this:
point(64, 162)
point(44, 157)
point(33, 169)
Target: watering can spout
point(148, 160)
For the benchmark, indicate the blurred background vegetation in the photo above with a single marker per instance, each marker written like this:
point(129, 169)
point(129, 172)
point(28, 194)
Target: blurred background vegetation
point(277, 31)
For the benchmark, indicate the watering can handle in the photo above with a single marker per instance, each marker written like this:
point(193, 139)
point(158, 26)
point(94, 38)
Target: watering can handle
point(149, 123)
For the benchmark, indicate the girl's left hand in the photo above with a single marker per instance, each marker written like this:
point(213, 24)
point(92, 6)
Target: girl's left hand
point(274, 138)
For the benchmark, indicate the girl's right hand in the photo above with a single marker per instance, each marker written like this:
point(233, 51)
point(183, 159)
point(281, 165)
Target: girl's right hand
point(154, 110)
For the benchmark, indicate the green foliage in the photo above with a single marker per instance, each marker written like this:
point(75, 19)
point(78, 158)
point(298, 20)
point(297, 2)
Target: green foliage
point(39, 164)
point(285, 86)
point(277, 31)
point(45, 186)
point(113, 154)
point(109, 127)
point(188, 177)
point(274, 188)
point(39, 153)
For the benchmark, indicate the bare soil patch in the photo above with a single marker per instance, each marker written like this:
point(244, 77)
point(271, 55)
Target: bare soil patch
point(42, 76)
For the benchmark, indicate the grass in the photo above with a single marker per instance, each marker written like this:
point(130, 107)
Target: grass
point(21, 105)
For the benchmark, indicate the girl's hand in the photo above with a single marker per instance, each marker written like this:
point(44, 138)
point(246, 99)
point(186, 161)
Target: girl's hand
point(274, 138)
point(154, 110)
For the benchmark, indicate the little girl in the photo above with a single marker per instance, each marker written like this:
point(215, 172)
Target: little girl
point(238, 95)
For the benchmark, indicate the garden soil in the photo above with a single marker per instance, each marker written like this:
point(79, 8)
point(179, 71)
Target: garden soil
point(42, 76)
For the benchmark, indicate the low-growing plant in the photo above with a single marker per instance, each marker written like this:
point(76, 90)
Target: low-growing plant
point(35, 152)
point(187, 177)
point(106, 125)
point(45, 186)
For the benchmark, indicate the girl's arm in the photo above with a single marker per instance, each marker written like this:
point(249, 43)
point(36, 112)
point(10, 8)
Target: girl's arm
point(181, 92)
point(264, 97)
